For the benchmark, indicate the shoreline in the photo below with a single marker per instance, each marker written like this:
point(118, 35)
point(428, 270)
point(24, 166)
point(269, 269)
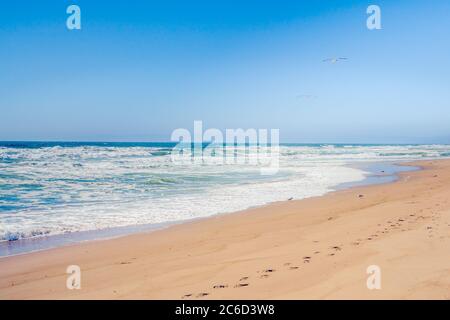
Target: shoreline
point(210, 257)
point(42, 243)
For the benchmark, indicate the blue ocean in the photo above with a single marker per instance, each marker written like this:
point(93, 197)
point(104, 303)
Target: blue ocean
point(56, 188)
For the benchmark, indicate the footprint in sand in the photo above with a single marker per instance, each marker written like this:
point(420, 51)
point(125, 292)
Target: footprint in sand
point(240, 285)
point(293, 268)
point(243, 279)
point(220, 286)
point(186, 296)
point(202, 294)
point(306, 259)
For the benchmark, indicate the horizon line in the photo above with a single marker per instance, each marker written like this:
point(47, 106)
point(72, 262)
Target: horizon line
point(175, 142)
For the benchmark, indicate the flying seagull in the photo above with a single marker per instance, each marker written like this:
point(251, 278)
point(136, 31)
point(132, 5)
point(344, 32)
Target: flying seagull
point(334, 60)
point(306, 96)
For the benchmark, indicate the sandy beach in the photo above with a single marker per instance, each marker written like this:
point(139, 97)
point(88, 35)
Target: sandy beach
point(316, 248)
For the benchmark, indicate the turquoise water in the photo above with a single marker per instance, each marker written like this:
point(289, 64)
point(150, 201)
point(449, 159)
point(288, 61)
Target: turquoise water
point(61, 188)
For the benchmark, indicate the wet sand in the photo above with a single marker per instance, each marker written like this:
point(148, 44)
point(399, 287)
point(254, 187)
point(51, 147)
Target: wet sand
point(317, 248)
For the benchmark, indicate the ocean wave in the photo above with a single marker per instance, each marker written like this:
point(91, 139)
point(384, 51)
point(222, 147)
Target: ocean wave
point(55, 189)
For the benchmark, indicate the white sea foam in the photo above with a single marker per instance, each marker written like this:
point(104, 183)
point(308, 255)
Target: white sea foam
point(54, 190)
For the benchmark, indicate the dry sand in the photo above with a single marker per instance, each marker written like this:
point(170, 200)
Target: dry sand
point(317, 248)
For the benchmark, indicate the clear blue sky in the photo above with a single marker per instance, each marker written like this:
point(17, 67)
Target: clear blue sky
point(139, 69)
